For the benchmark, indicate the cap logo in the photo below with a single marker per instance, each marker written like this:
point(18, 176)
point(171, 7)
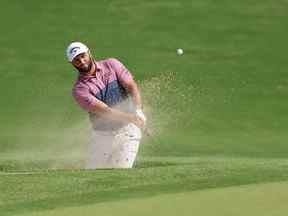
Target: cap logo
point(74, 50)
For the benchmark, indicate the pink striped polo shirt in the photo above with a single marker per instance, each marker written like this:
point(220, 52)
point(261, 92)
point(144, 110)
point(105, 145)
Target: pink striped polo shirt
point(107, 86)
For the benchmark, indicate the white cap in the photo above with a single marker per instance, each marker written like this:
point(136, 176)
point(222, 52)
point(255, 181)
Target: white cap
point(75, 49)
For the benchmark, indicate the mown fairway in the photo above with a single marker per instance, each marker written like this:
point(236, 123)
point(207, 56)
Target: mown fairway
point(235, 201)
point(218, 113)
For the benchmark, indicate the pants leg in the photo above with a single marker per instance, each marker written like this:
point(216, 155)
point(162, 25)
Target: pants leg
point(125, 146)
point(114, 149)
point(99, 150)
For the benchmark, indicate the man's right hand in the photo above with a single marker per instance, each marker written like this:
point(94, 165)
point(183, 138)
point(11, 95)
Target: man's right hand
point(138, 121)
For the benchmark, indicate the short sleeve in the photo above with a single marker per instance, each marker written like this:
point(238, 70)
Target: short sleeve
point(84, 98)
point(122, 73)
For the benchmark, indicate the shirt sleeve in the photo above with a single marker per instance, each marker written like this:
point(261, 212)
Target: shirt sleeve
point(122, 73)
point(84, 98)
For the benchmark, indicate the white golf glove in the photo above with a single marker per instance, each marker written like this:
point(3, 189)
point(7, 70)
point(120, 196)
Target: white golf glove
point(141, 115)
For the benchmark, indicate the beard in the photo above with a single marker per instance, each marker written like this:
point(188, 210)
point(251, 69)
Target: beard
point(85, 68)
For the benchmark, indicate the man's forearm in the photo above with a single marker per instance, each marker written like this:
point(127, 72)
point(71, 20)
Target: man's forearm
point(117, 115)
point(124, 117)
point(107, 112)
point(113, 114)
point(135, 94)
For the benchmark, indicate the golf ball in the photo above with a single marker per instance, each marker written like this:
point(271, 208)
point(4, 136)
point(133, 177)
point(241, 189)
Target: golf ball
point(179, 51)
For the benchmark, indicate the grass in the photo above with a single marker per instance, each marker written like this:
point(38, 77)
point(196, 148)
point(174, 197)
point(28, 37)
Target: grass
point(26, 191)
point(260, 199)
point(218, 112)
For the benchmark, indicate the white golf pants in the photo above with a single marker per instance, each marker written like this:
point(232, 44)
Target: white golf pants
point(113, 149)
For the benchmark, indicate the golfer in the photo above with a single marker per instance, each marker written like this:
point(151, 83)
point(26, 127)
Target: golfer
point(107, 91)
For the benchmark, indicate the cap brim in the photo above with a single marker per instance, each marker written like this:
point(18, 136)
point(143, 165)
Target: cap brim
point(76, 53)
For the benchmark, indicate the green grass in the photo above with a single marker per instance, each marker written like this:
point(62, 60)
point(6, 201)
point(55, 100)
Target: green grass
point(218, 113)
point(39, 190)
point(261, 199)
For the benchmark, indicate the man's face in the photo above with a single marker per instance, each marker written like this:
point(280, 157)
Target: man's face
point(82, 62)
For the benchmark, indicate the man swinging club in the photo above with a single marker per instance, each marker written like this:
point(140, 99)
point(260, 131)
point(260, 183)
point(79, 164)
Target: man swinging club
point(107, 91)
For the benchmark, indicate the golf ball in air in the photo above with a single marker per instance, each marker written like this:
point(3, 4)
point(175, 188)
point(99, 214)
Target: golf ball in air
point(179, 51)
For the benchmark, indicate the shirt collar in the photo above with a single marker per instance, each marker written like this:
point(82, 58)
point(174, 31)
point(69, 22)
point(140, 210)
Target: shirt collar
point(98, 66)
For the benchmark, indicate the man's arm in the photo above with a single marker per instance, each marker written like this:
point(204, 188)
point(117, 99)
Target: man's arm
point(91, 104)
point(105, 111)
point(133, 90)
point(127, 81)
